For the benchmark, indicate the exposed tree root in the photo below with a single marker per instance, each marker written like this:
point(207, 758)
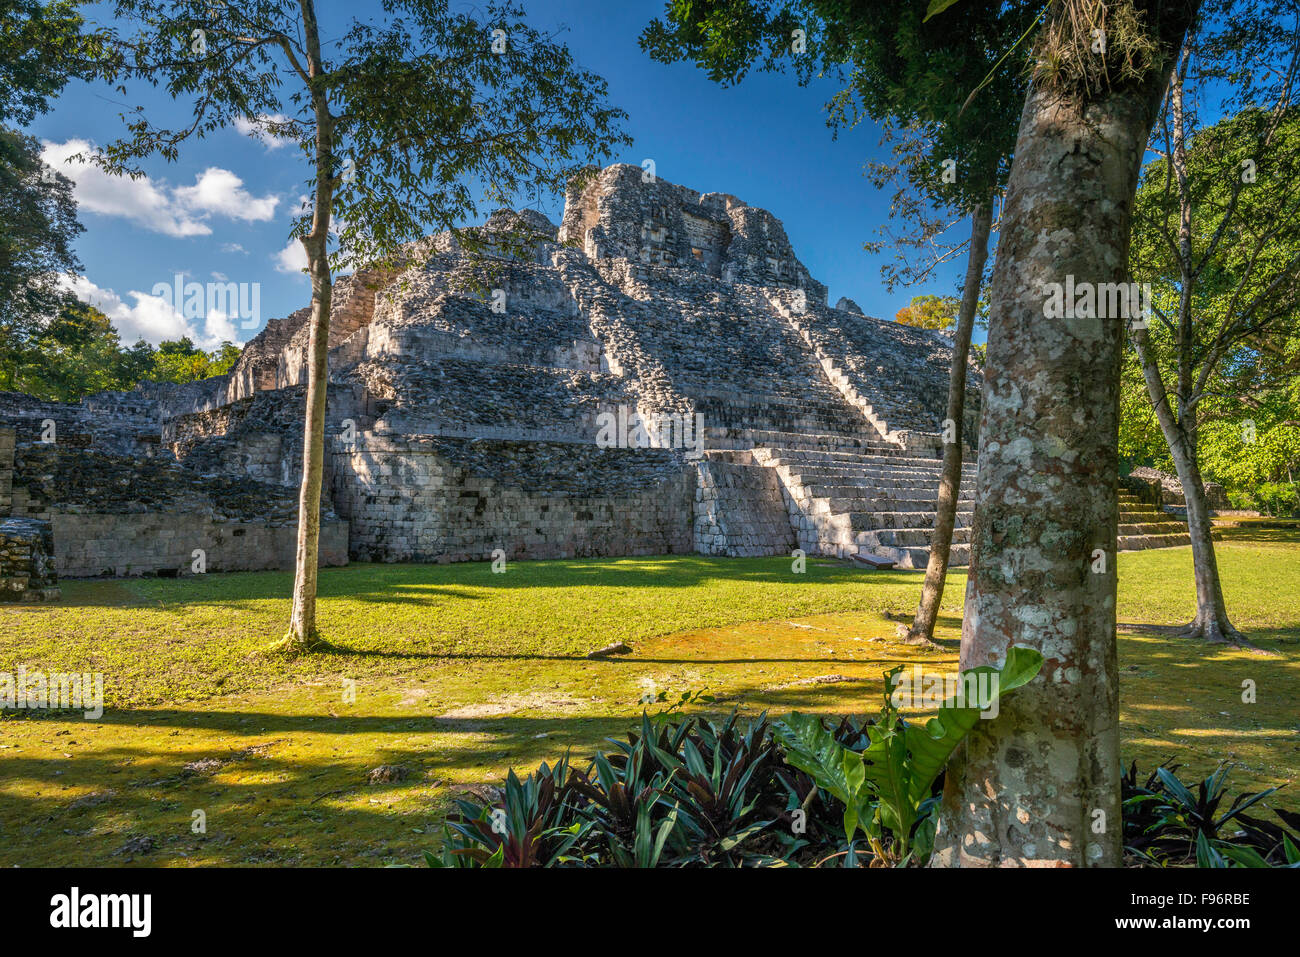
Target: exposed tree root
point(1214, 632)
point(918, 638)
point(292, 645)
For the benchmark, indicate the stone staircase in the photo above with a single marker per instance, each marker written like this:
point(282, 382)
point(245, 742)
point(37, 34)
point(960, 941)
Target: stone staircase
point(847, 496)
point(1146, 526)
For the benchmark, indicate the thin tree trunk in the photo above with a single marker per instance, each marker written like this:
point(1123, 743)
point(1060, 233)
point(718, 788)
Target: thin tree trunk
point(945, 517)
point(1039, 784)
point(302, 623)
point(1211, 622)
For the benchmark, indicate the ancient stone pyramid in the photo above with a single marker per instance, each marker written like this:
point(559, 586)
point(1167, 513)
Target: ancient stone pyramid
point(659, 374)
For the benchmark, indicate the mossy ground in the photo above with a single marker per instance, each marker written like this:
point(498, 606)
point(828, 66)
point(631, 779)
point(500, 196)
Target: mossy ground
point(460, 673)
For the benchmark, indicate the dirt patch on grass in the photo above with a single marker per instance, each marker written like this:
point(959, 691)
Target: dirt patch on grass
point(509, 704)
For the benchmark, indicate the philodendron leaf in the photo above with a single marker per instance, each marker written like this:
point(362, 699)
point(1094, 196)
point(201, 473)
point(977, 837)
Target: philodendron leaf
point(930, 746)
point(814, 750)
point(1020, 668)
point(888, 771)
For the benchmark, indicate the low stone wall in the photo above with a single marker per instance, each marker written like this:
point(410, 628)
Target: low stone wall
point(163, 543)
point(739, 509)
point(409, 500)
point(26, 565)
point(6, 471)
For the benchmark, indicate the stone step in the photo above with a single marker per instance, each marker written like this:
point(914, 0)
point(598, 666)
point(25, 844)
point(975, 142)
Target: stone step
point(918, 537)
point(1152, 528)
point(851, 455)
point(869, 503)
point(802, 457)
point(873, 471)
point(811, 441)
point(1133, 543)
point(917, 557)
point(867, 521)
point(885, 483)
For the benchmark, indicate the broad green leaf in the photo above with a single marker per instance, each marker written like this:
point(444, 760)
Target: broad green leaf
point(937, 7)
point(888, 771)
point(1020, 668)
point(930, 747)
point(1245, 856)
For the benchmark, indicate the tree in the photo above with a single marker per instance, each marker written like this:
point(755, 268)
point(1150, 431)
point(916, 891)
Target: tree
point(38, 223)
point(42, 47)
point(1217, 228)
point(919, 82)
point(929, 312)
point(396, 123)
point(75, 354)
point(1039, 785)
point(181, 361)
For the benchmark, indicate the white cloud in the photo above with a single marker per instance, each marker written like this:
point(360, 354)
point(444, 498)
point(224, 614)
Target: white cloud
point(179, 212)
point(292, 258)
point(233, 248)
point(138, 200)
point(256, 128)
point(153, 318)
point(222, 192)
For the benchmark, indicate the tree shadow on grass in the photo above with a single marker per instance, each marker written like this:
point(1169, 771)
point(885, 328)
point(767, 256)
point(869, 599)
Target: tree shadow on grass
point(422, 584)
point(288, 789)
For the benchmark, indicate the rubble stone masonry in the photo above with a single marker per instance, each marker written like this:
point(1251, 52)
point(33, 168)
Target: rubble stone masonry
point(465, 400)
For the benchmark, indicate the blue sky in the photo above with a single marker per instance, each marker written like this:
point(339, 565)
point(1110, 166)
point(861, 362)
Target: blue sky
point(223, 210)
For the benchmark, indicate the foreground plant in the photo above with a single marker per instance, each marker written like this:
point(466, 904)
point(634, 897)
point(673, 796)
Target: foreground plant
point(886, 789)
point(1166, 822)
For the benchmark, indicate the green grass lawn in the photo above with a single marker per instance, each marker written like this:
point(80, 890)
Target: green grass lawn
point(460, 673)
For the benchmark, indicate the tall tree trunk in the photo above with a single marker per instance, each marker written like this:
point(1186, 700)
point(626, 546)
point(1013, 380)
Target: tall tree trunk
point(302, 633)
point(1039, 784)
point(302, 624)
point(1211, 622)
point(945, 517)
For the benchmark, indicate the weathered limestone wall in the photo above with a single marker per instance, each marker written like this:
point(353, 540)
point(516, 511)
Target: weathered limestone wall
point(739, 509)
point(620, 214)
point(26, 561)
point(410, 500)
point(6, 471)
point(163, 543)
point(259, 437)
point(116, 515)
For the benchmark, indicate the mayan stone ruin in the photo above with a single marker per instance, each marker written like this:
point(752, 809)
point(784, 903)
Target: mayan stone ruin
point(658, 374)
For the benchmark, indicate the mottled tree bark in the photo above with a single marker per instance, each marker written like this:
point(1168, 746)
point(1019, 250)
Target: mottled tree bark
point(302, 623)
point(1039, 784)
point(936, 567)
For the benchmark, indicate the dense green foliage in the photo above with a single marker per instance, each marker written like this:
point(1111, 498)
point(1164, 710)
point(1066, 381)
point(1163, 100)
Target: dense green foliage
point(42, 47)
point(691, 792)
point(699, 793)
point(929, 312)
point(1167, 823)
point(1234, 381)
point(78, 353)
point(411, 121)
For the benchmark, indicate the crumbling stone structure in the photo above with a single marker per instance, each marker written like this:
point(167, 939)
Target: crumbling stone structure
point(659, 374)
